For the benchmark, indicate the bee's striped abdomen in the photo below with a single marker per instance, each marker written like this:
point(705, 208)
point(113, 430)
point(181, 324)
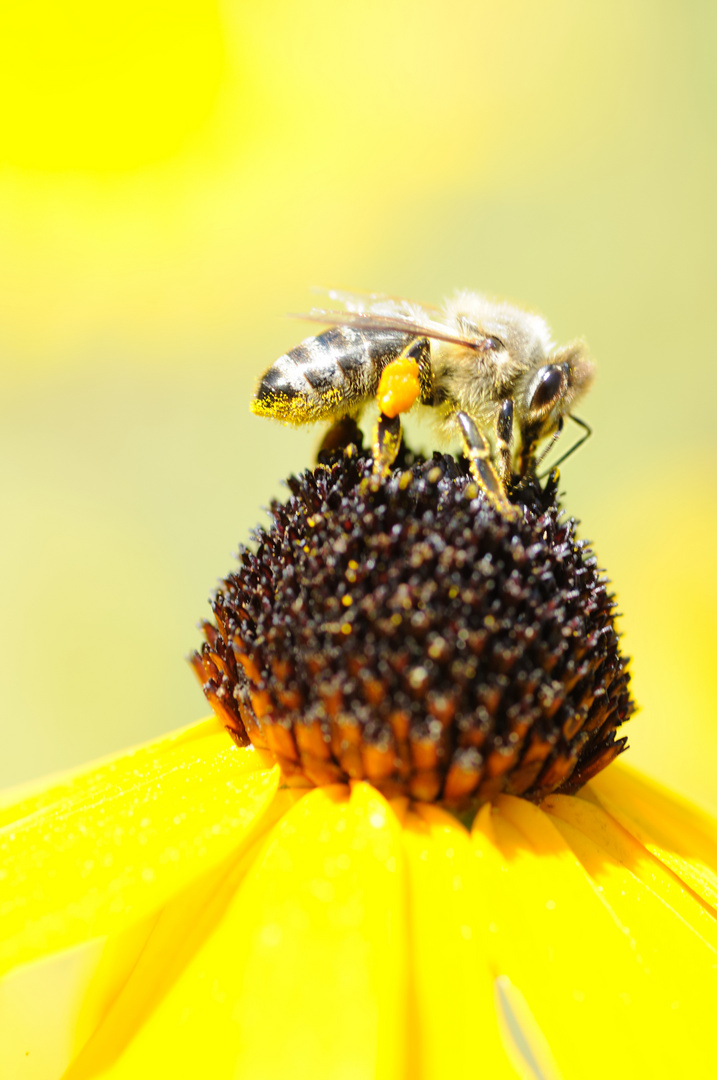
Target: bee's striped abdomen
point(327, 375)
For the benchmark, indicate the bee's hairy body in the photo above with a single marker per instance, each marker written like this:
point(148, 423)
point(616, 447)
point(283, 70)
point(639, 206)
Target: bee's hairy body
point(487, 371)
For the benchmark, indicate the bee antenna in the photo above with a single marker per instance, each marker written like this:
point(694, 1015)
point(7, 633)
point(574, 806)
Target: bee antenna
point(587, 432)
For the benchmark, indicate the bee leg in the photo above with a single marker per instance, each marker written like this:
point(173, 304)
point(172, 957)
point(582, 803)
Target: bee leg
point(504, 441)
point(386, 443)
point(402, 382)
point(477, 451)
point(340, 436)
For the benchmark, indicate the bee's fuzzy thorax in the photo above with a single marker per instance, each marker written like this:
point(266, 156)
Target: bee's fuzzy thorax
point(527, 332)
point(406, 633)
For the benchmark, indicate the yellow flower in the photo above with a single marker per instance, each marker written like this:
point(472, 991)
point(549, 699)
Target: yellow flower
point(197, 907)
point(174, 911)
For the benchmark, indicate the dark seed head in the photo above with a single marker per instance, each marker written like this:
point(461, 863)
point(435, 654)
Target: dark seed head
point(404, 632)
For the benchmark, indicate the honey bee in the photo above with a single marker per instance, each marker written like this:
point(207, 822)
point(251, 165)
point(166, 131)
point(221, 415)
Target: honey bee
point(489, 373)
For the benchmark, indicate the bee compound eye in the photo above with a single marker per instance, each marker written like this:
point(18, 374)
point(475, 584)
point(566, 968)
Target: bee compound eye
point(545, 388)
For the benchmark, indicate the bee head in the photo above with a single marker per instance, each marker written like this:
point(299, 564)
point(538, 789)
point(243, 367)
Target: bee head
point(553, 389)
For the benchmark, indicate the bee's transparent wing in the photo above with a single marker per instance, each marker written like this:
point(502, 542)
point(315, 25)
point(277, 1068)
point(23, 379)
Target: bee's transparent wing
point(383, 303)
point(408, 323)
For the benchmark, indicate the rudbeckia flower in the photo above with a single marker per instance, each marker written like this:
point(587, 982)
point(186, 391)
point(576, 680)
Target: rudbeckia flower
point(374, 878)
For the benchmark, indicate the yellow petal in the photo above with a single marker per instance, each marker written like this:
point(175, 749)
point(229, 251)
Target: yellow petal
point(101, 849)
point(122, 998)
point(633, 878)
point(678, 833)
point(677, 960)
point(39, 1009)
point(305, 973)
point(25, 799)
point(454, 1026)
point(568, 954)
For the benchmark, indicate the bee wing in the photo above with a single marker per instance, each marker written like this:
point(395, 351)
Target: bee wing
point(384, 303)
point(405, 324)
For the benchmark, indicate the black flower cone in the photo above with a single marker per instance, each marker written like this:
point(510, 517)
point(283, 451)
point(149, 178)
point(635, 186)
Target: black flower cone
point(406, 633)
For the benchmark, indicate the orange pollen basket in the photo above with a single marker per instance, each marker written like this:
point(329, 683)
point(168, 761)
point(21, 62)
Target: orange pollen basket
point(399, 387)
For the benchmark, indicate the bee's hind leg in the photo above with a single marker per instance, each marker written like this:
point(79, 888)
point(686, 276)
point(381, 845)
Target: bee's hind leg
point(386, 443)
point(403, 381)
point(477, 450)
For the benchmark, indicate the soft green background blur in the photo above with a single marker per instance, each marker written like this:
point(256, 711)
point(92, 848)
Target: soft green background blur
point(176, 176)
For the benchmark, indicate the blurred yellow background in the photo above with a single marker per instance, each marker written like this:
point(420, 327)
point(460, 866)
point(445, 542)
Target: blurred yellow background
point(174, 177)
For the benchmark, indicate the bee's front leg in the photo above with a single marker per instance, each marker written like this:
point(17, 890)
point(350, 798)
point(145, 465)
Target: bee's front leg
point(477, 450)
point(504, 441)
point(402, 382)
